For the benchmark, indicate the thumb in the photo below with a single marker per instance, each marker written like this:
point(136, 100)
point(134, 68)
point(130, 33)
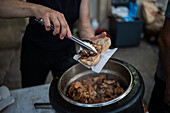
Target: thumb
point(102, 35)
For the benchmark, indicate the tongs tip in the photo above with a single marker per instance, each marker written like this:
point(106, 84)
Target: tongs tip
point(90, 47)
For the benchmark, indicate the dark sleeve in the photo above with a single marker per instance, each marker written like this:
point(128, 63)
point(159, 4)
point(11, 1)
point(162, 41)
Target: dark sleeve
point(167, 13)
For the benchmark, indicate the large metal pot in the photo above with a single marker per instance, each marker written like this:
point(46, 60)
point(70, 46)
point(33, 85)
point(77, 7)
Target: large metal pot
point(113, 70)
point(128, 77)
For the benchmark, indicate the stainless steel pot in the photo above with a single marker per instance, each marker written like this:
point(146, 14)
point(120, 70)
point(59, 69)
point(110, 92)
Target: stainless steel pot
point(113, 69)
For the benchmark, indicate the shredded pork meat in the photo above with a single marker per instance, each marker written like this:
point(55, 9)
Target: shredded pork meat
point(94, 90)
point(87, 54)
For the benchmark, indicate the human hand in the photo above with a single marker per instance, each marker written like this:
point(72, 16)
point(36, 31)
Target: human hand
point(56, 18)
point(102, 35)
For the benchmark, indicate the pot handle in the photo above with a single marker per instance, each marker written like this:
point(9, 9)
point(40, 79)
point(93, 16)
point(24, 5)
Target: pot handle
point(43, 106)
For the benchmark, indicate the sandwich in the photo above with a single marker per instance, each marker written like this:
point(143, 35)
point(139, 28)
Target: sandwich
point(90, 58)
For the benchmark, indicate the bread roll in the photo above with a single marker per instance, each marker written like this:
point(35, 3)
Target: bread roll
point(103, 43)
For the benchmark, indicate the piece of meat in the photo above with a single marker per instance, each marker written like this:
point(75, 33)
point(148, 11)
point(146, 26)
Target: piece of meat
point(109, 92)
point(103, 85)
point(91, 91)
point(94, 90)
point(109, 81)
point(98, 47)
point(71, 89)
point(99, 79)
point(120, 91)
point(86, 54)
point(87, 81)
point(78, 85)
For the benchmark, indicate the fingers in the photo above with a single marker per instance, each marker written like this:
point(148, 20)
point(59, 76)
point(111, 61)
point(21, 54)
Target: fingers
point(69, 32)
point(56, 25)
point(47, 22)
point(59, 22)
point(63, 24)
point(102, 35)
point(65, 30)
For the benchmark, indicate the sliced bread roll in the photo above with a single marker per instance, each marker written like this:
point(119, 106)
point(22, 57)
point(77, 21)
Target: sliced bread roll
point(103, 44)
point(90, 61)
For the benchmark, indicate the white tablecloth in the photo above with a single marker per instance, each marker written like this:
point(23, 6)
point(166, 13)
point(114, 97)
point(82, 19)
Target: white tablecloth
point(26, 97)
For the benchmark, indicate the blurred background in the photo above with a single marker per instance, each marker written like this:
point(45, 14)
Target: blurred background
point(132, 25)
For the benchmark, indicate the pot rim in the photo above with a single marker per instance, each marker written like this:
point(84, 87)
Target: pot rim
point(97, 104)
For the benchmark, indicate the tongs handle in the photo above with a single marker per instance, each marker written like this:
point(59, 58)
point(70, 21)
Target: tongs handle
point(52, 27)
point(42, 23)
point(73, 38)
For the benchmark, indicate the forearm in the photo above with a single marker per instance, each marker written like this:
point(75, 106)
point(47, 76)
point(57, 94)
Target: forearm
point(16, 9)
point(164, 45)
point(86, 30)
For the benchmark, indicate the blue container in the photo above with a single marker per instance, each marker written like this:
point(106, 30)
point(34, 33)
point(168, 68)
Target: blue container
point(133, 9)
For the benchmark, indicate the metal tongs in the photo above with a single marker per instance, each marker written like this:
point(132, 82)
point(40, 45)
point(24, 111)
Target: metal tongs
point(87, 46)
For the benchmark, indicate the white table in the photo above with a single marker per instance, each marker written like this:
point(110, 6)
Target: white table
point(26, 97)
